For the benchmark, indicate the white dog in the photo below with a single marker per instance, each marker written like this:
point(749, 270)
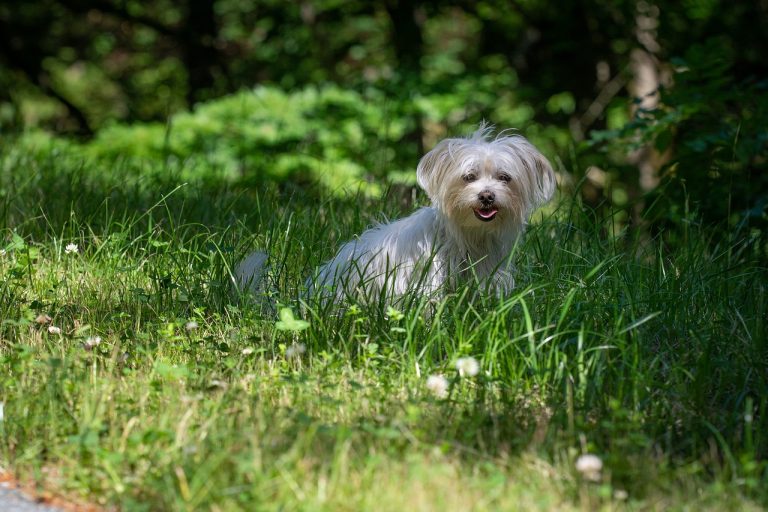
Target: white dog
point(482, 191)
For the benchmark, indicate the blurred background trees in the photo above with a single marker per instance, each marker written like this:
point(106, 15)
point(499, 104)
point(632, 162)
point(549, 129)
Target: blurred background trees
point(654, 109)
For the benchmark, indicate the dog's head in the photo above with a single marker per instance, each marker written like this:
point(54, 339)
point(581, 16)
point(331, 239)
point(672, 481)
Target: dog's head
point(486, 183)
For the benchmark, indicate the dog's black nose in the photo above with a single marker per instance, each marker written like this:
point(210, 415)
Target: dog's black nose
point(486, 197)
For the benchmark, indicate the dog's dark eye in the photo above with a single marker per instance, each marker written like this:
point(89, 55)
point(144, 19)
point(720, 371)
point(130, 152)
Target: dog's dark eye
point(469, 177)
point(506, 178)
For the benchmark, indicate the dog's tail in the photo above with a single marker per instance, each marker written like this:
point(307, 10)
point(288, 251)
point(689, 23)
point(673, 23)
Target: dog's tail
point(250, 273)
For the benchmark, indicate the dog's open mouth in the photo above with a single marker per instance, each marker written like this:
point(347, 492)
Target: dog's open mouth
point(485, 214)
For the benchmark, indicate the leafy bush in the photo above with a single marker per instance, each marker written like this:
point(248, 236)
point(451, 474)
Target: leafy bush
point(267, 134)
point(344, 140)
point(715, 131)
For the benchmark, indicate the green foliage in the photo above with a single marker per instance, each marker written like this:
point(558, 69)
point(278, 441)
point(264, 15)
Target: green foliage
point(348, 94)
point(713, 130)
point(343, 141)
point(288, 322)
point(326, 136)
point(323, 135)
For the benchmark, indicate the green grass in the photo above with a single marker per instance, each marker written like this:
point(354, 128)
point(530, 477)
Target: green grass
point(653, 359)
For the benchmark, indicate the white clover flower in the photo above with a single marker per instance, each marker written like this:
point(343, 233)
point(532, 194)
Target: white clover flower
point(43, 319)
point(589, 466)
point(191, 325)
point(71, 249)
point(248, 351)
point(91, 342)
point(52, 329)
point(295, 350)
point(467, 366)
point(3, 252)
point(438, 385)
point(2, 411)
point(620, 495)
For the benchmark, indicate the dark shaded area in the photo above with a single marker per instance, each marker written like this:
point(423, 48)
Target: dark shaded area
point(663, 101)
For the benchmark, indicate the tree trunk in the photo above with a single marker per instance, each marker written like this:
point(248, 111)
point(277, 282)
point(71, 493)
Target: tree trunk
point(408, 41)
point(201, 59)
point(644, 88)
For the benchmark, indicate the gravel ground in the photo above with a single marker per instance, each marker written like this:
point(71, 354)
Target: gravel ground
point(13, 500)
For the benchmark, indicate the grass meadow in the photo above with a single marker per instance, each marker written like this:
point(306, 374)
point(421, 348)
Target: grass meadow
point(132, 376)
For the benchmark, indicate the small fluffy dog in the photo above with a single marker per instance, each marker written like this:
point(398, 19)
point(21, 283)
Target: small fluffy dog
point(482, 190)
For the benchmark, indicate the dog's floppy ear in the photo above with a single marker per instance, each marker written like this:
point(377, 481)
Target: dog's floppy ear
point(538, 178)
point(432, 168)
point(544, 175)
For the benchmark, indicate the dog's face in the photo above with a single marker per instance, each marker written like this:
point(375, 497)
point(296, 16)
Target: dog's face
point(486, 184)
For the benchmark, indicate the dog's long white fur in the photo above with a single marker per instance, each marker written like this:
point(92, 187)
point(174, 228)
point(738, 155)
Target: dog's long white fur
point(483, 191)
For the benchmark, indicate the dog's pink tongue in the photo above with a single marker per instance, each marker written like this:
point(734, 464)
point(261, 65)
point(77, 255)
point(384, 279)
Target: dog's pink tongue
point(487, 214)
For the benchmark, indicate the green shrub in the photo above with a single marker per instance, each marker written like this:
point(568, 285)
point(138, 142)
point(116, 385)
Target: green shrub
point(714, 130)
point(345, 141)
point(328, 135)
